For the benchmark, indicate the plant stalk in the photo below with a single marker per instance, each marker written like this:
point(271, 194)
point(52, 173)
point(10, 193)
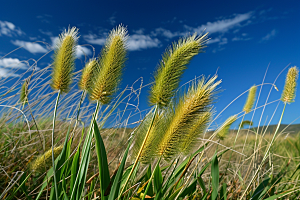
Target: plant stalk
point(53, 128)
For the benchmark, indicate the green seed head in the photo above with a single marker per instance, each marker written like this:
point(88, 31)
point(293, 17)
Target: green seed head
point(289, 91)
point(224, 129)
point(250, 100)
point(88, 74)
point(24, 92)
point(111, 63)
point(171, 68)
point(64, 60)
point(45, 160)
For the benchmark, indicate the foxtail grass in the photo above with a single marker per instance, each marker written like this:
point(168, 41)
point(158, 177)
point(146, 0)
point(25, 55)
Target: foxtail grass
point(287, 96)
point(223, 130)
point(171, 68)
point(194, 104)
point(250, 99)
point(63, 65)
point(111, 63)
point(289, 91)
point(24, 93)
point(167, 78)
point(45, 161)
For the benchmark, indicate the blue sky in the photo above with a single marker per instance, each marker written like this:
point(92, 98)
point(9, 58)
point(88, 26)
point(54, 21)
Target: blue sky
point(246, 38)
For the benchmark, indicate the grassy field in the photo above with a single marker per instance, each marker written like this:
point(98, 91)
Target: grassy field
point(69, 135)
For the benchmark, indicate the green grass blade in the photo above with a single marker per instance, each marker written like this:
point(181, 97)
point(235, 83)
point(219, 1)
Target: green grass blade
point(74, 168)
point(260, 189)
point(102, 161)
point(116, 184)
point(215, 177)
point(157, 180)
point(189, 190)
point(20, 186)
point(202, 185)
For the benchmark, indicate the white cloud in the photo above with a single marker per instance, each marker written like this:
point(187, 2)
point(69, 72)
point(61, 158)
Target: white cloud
point(48, 33)
point(221, 25)
point(270, 35)
point(211, 41)
point(6, 73)
point(80, 50)
point(137, 42)
point(92, 39)
point(9, 29)
point(223, 41)
point(166, 33)
point(13, 63)
point(30, 46)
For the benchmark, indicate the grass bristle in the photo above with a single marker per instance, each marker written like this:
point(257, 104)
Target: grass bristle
point(289, 91)
point(195, 103)
point(171, 68)
point(88, 74)
point(111, 63)
point(64, 58)
point(250, 99)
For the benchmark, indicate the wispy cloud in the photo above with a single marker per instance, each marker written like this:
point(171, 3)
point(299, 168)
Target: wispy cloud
point(92, 39)
point(112, 19)
point(44, 18)
point(138, 42)
point(166, 33)
point(269, 36)
point(48, 33)
point(30, 46)
point(9, 29)
point(223, 25)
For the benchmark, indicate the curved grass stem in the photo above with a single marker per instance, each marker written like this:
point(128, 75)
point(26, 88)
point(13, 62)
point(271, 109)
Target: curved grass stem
point(267, 152)
point(53, 128)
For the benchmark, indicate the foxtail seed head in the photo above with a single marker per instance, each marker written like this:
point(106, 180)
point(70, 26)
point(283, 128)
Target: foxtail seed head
point(171, 68)
point(224, 129)
point(64, 60)
point(87, 75)
point(195, 103)
point(197, 128)
point(250, 100)
point(289, 91)
point(24, 92)
point(45, 160)
point(111, 63)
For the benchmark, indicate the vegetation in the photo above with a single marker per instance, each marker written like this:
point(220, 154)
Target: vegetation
point(169, 153)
